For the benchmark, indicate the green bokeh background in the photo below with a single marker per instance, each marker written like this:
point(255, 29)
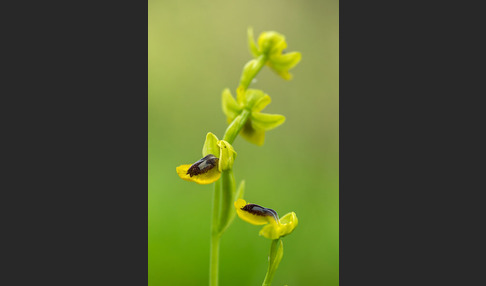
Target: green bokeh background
point(195, 50)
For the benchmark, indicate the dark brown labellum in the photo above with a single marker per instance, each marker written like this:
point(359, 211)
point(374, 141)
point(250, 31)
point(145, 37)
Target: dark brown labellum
point(259, 210)
point(204, 165)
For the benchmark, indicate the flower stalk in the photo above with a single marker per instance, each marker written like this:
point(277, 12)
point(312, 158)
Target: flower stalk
point(214, 259)
point(235, 127)
point(274, 258)
point(244, 117)
point(251, 69)
point(224, 189)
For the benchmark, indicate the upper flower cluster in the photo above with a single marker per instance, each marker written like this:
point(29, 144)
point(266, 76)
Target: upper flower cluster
point(272, 46)
point(254, 101)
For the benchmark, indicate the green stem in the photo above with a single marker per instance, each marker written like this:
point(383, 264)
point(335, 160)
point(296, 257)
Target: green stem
point(236, 125)
point(223, 194)
point(215, 237)
point(274, 258)
point(227, 197)
point(261, 61)
point(249, 73)
point(251, 69)
point(213, 278)
point(224, 188)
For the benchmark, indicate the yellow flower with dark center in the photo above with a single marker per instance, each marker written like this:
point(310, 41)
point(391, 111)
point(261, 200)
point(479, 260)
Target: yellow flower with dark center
point(254, 101)
point(219, 155)
point(258, 215)
point(204, 171)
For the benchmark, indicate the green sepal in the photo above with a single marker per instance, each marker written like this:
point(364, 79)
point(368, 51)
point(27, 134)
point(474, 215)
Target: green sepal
point(240, 95)
point(265, 121)
point(227, 155)
point(252, 97)
point(281, 64)
point(252, 135)
point(230, 107)
point(251, 43)
point(286, 61)
point(211, 145)
point(261, 103)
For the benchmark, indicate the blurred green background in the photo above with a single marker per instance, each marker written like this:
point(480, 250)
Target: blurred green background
point(195, 50)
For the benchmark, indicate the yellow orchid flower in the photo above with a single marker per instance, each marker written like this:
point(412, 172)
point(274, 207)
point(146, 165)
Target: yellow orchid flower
point(204, 171)
point(258, 215)
point(254, 101)
point(219, 155)
point(272, 44)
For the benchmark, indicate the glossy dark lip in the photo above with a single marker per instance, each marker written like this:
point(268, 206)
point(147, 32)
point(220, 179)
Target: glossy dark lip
point(210, 160)
point(260, 211)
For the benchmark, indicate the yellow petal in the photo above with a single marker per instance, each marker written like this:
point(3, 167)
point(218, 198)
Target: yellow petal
point(209, 177)
point(286, 61)
point(281, 64)
point(261, 103)
point(240, 203)
point(265, 121)
point(249, 217)
point(270, 231)
point(282, 73)
point(286, 226)
point(252, 135)
point(285, 75)
point(288, 223)
point(252, 97)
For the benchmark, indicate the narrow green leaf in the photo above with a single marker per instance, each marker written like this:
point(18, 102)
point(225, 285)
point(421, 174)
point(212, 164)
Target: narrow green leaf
point(232, 213)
